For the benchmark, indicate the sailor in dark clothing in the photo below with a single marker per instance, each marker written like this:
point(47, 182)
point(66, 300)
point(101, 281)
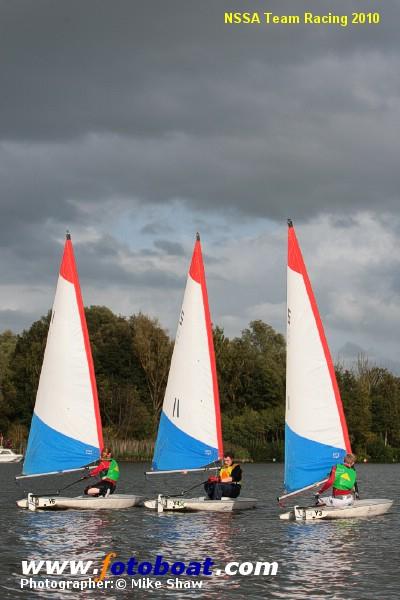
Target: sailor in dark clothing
point(228, 483)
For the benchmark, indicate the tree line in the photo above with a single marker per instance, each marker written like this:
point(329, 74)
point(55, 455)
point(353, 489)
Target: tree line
point(132, 357)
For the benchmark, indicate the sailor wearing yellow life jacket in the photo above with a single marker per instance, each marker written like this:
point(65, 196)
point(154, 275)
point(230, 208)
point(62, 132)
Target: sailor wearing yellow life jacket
point(343, 479)
point(228, 483)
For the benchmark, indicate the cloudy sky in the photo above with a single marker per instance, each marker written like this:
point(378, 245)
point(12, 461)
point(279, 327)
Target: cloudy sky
point(136, 123)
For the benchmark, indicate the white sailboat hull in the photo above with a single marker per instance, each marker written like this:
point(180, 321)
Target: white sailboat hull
point(360, 508)
point(200, 504)
point(115, 501)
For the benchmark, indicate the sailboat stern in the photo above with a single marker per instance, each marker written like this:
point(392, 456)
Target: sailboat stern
point(367, 508)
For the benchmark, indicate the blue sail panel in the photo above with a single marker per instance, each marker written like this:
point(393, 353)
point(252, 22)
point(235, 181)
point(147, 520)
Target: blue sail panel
point(175, 449)
point(306, 461)
point(49, 451)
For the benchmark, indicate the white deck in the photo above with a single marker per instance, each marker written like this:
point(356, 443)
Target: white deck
point(115, 501)
point(200, 504)
point(360, 508)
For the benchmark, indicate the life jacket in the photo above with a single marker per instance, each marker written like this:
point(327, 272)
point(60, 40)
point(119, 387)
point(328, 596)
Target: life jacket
point(113, 471)
point(227, 472)
point(345, 478)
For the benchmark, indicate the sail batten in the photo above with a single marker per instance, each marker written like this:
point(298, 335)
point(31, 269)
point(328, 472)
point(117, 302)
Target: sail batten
point(189, 434)
point(316, 435)
point(66, 432)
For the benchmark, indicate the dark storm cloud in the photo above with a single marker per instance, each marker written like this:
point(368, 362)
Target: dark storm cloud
point(160, 101)
point(350, 354)
point(28, 257)
point(114, 116)
point(150, 68)
point(106, 262)
point(172, 248)
point(16, 320)
point(155, 228)
point(350, 350)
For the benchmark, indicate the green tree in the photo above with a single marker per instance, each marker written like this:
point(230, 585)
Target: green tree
point(25, 366)
point(8, 341)
point(121, 381)
point(153, 349)
point(385, 407)
point(251, 368)
point(357, 407)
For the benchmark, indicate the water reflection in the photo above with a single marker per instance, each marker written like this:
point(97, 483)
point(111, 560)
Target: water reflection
point(352, 559)
point(63, 536)
point(78, 533)
point(318, 554)
point(193, 537)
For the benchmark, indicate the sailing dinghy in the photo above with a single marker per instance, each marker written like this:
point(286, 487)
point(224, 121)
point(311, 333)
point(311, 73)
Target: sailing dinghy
point(189, 434)
point(316, 436)
point(66, 432)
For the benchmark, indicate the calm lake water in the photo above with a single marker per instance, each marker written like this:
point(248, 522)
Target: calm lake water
point(350, 559)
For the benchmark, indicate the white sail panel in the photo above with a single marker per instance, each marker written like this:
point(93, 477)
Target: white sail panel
point(311, 408)
point(189, 397)
point(64, 399)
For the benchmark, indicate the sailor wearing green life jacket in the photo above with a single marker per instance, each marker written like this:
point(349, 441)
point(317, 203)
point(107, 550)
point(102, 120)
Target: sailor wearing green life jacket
point(343, 479)
point(109, 472)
